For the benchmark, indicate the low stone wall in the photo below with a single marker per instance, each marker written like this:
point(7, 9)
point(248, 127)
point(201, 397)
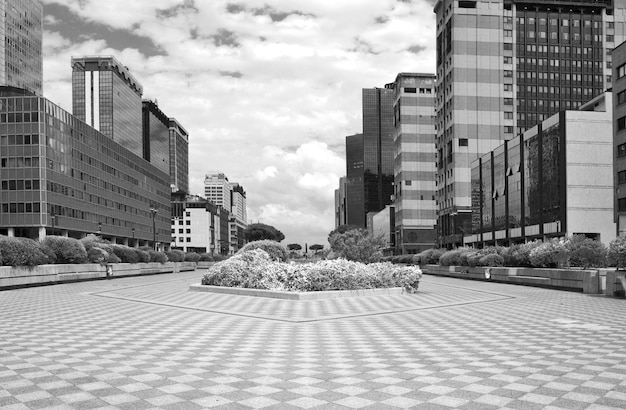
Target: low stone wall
point(591, 281)
point(278, 294)
point(21, 276)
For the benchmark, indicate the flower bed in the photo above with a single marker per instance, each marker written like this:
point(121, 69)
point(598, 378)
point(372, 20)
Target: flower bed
point(255, 269)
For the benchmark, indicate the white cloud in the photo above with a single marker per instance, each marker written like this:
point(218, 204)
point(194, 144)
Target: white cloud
point(264, 92)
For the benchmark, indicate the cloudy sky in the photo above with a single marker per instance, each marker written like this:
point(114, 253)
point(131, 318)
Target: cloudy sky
point(268, 89)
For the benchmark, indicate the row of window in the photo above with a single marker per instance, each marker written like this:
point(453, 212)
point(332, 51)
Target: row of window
point(20, 185)
point(21, 207)
point(19, 162)
point(19, 139)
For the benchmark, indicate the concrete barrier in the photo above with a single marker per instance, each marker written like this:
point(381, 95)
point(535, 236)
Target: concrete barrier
point(23, 276)
point(590, 281)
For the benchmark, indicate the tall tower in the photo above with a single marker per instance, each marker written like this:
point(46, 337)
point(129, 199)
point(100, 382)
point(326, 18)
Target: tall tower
point(217, 189)
point(179, 157)
point(355, 189)
point(21, 28)
point(414, 167)
point(155, 136)
point(502, 67)
point(106, 96)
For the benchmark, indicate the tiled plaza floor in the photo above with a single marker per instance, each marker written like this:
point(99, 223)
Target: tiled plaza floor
point(148, 342)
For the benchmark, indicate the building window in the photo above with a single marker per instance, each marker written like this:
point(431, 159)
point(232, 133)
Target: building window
point(621, 97)
point(410, 90)
point(187, 222)
point(621, 204)
point(621, 177)
point(508, 130)
point(508, 101)
point(621, 123)
point(621, 151)
point(463, 142)
point(407, 182)
point(621, 71)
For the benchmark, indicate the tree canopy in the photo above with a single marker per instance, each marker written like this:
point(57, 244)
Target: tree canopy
point(342, 229)
point(259, 231)
point(294, 247)
point(316, 247)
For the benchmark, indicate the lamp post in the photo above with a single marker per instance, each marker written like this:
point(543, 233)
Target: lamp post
point(153, 211)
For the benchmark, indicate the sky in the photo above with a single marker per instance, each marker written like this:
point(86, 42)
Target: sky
point(268, 90)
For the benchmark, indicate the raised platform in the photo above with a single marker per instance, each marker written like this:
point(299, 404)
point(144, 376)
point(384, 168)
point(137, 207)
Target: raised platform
point(278, 294)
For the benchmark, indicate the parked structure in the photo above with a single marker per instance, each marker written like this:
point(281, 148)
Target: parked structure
point(556, 179)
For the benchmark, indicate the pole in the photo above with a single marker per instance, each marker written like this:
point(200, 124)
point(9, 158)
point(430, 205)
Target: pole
point(154, 212)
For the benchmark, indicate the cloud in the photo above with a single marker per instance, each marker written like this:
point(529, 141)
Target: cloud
point(268, 89)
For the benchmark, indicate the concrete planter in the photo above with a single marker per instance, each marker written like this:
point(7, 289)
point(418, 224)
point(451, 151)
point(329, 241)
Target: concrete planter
point(21, 276)
point(278, 294)
point(591, 281)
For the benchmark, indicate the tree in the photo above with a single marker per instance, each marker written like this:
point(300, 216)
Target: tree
point(316, 247)
point(294, 247)
point(259, 231)
point(357, 245)
point(342, 229)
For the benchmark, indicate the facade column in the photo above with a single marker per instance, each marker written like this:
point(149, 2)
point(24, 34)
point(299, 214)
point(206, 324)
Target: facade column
point(42, 232)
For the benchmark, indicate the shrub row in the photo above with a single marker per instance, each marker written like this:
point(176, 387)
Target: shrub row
point(258, 270)
point(16, 251)
point(576, 251)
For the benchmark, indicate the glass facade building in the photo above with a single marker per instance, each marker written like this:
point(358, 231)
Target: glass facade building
point(555, 179)
point(21, 60)
point(156, 136)
point(61, 176)
point(179, 157)
point(354, 185)
point(504, 66)
point(107, 97)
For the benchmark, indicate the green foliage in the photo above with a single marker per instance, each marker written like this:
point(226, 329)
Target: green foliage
point(21, 252)
point(218, 257)
point(342, 229)
point(294, 247)
point(192, 257)
point(259, 231)
point(316, 247)
point(550, 254)
point(357, 245)
point(50, 255)
point(491, 259)
point(255, 269)
point(67, 250)
point(97, 255)
point(586, 252)
point(143, 256)
point(125, 253)
point(617, 253)
point(113, 258)
point(275, 250)
point(206, 257)
point(156, 256)
point(454, 257)
point(175, 256)
point(431, 256)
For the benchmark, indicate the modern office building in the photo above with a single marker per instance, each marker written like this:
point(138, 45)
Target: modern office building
point(155, 136)
point(415, 162)
point(179, 157)
point(107, 97)
point(555, 179)
point(238, 216)
point(340, 203)
point(619, 138)
point(217, 189)
point(21, 60)
point(504, 66)
point(355, 187)
point(382, 224)
point(199, 225)
point(62, 176)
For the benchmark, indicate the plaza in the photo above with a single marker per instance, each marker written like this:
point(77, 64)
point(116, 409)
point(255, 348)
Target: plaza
point(148, 342)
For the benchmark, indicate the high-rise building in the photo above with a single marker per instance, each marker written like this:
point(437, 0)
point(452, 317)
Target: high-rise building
point(21, 60)
point(378, 148)
point(355, 188)
point(155, 136)
point(238, 216)
point(415, 157)
point(107, 97)
point(217, 189)
point(504, 66)
point(619, 137)
point(340, 203)
point(61, 176)
point(179, 157)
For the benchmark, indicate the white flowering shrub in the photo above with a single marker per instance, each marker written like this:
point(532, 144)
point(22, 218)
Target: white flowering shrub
point(255, 269)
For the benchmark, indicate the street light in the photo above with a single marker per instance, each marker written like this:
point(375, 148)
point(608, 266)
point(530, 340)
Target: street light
point(153, 211)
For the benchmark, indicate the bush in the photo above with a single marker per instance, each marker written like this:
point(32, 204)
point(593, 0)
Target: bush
point(125, 253)
point(491, 259)
point(551, 254)
point(156, 256)
point(175, 256)
point(275, 250)
point(357, 245)
point(454, 257)
point(586, 253)
point(192, 257)
point(67, 250)
point(142, 256)
point(218, 258)
point(21, 252)
point(51, 257)
point(206, 257)
point(97, 255)
point(617, 252)
point(431, 256)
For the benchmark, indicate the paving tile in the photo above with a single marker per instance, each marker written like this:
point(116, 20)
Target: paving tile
point(147, 342)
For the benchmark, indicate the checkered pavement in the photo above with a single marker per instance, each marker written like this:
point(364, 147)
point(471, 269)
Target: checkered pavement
point(149, 343)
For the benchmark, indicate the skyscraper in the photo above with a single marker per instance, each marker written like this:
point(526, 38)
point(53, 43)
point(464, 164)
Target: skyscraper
point(502, 67)
point(355, 189)
point(414, 168)
point(217, 189)
point(107, 97)
point(155, 135)
point(179, 157)
point(21, 28)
